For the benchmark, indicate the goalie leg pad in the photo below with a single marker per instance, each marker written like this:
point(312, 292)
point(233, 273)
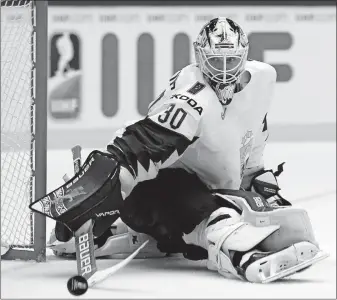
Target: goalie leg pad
point(93, 193)
point(123, 244)
point(294, 223)
point(120, 243)
point(229, 233)
point(229, 236)
point(295, 227)
point(283, 234)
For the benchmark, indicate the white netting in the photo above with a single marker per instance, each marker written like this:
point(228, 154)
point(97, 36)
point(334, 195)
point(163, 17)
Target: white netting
point(17, 122)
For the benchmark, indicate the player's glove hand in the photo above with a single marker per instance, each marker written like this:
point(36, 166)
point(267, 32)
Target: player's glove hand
point(93, 193)
point(265, 184)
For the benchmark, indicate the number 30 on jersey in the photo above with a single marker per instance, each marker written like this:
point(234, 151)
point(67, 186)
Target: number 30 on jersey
point(175, 117)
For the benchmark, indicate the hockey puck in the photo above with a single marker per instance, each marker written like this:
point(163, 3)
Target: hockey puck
point(77, 285)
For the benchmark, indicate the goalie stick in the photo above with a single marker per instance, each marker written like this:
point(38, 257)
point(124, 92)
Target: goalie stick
point(84, 241)
point(78, 285)
point(77, 158)
point(77, 161)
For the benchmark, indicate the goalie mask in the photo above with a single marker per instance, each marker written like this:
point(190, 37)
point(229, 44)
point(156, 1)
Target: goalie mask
point(221, 51)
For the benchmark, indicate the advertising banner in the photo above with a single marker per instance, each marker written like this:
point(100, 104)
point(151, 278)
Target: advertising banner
point(108, 63)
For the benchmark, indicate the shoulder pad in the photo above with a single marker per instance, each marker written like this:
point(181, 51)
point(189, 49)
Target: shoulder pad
point(192, 84)
point(258, 67)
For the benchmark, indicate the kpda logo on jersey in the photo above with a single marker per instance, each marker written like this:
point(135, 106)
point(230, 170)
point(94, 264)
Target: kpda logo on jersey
point(191, 102)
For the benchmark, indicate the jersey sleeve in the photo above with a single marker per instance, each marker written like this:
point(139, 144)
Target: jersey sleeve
point(158, 140)
point(180, 114)
point(256, 161)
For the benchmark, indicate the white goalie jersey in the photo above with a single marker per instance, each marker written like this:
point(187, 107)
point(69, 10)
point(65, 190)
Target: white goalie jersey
point(187, 127)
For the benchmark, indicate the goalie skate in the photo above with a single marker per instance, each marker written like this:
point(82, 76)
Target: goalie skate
point(282, 264)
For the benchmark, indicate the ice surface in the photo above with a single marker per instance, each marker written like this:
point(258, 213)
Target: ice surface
point(309, 179)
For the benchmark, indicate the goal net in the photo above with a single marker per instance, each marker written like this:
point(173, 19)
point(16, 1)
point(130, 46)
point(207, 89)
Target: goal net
point(22, 145)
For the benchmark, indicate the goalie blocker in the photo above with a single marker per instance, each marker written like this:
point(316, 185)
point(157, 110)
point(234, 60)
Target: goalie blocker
point(93, 193)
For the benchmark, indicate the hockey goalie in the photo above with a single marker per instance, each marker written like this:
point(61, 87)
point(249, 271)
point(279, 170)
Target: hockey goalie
point(191, 176)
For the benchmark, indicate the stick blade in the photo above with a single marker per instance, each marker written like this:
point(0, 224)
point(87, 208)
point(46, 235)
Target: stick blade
point(101, 275)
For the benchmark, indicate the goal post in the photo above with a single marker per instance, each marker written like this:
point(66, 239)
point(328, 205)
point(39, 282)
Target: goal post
point(24, 64)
